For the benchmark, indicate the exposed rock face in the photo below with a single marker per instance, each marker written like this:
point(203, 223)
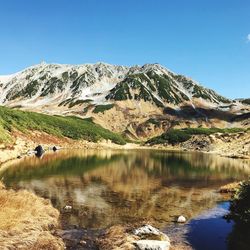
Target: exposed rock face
point(66, 84)
point(200, 142)
point(233, 145)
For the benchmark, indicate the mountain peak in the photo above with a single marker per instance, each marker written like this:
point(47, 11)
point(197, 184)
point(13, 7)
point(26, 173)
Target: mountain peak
point(100, 83)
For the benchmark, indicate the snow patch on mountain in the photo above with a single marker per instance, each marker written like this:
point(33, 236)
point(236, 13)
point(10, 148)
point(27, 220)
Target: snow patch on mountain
point(46, 84)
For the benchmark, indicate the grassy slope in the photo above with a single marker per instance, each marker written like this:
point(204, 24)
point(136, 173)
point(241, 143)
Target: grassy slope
point(71, 127)
point(174, 136)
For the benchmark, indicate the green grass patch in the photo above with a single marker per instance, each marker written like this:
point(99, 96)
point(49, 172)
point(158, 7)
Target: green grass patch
point(153, 121)
point(209, 131)
point(71, 127)
point(102, 108)
point(78, 102)
point(174, 136)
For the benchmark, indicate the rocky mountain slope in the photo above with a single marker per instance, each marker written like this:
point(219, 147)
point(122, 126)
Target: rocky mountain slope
point(100, 83)
point(140, 101)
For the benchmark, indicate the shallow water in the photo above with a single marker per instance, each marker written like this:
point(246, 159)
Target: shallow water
point(207, 231)
point(107, 187)
point(211, 230)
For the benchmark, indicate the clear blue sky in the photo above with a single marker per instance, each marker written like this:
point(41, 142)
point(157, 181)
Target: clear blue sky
point(204, 39)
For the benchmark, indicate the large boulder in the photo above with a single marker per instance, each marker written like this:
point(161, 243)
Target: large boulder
point(152, 245)
point(149, 232)
point(39, 151)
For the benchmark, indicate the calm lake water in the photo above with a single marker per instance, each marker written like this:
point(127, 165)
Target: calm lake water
point(107, 187)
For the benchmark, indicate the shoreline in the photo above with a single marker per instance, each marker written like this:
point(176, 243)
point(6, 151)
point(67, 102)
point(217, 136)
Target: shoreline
point(234, 146)
point(7, 156)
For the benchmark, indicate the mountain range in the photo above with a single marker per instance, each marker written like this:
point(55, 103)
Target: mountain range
point(140, 101)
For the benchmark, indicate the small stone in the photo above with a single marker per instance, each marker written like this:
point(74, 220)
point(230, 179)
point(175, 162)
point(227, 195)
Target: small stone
point(152, 245)
point(181, 219)
point(55, 148)
point(68, 208)
point(83, 242)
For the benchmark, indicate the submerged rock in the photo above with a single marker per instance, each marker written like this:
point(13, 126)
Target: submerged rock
point(181, 219)
point(152, 245)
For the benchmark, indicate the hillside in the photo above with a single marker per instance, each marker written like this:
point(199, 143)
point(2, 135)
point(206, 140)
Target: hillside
point(12, 121)
point(229, 142)
point(140, 101)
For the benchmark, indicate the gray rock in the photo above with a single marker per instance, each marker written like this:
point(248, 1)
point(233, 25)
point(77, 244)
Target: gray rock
point(152, 245)
point(147, 229)
point(149, 232)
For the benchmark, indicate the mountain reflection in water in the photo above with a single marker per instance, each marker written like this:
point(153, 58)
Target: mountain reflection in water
point(106, 187)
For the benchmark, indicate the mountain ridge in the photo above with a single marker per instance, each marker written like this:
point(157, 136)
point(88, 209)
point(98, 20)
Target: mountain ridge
point(44, 79)
point(120, 98)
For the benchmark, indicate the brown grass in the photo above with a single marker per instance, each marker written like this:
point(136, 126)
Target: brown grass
point(230, 188)
point(116, 238)
point(26, 221)
point(120, 237)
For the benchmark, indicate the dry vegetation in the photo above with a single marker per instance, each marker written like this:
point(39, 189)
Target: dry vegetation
point(26, 221)
point(120, 237)
point(116, 238)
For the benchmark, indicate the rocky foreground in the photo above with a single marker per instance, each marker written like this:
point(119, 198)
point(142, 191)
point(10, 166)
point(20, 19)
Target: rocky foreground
point(145, 237)
point(30, 222)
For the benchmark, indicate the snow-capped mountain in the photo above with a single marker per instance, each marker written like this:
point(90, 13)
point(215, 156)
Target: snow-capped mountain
point(100, 83)
point(139, 101)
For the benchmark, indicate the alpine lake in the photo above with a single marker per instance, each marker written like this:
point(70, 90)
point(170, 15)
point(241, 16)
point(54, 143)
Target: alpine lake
point(109, 187)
